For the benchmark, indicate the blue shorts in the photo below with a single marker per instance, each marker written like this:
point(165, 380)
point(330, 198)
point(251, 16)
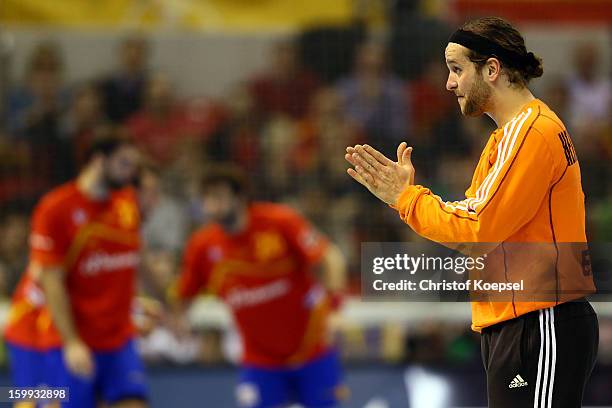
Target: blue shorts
point(118, 375)
point(28, 366)
point(316, 384)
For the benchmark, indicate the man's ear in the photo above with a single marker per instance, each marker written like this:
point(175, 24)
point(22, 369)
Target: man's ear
point(492, 69)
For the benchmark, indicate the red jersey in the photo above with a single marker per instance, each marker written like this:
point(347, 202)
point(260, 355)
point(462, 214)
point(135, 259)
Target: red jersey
point(264, 275)
point(23, 316)
point(97, 244)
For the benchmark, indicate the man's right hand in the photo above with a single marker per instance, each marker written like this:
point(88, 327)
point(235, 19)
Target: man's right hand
point(78, 358)
point(384, 178)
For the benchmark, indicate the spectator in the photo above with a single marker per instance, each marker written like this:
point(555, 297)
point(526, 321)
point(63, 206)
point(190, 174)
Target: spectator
point(277, 143)
point(427, 36)
point(163, 232)
point(40, 96)
point(286, 87)
point(123, 89)
point(14, 229)
point(374, 99)
point(163, 123)
point(589, 107)
point(83, 121)
point(164, 226)
point(556, 96)
point(431, 103)
point(435, 119)
point(17, 180)
point(320, 190)
point(35, 109)
point(320, 137)
point(590, 94)
point(237, 139)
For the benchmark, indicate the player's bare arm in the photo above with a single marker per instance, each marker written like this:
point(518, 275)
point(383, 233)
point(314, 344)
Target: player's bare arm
point(151, 313)
point(77, 354)
point(384, 178)
point(333, 269)
point(176, 316)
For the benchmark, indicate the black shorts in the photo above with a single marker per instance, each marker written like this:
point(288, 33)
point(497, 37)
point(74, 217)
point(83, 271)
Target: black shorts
point(542, 359)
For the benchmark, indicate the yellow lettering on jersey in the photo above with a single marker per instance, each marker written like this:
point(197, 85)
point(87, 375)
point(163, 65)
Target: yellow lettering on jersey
point(127, 213)
point(268, 245)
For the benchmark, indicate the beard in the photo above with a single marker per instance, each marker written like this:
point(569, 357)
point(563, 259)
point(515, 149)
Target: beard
point(477, 97)
point(114, 185)
point(229, 221)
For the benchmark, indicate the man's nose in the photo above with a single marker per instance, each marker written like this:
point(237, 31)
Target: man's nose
point(451, 84)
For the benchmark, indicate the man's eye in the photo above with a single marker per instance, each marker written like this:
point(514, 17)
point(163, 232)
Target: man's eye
point(456, 70)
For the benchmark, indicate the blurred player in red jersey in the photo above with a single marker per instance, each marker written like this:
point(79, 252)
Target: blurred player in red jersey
point(71, 314)
point(259, 258)
point(27, 355)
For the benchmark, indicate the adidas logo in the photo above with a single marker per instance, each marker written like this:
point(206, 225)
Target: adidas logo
point(517, 382)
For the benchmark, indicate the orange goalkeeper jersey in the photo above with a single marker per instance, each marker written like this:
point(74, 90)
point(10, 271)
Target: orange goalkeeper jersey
point(526, 190)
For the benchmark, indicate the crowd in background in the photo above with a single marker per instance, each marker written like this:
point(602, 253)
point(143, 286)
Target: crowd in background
point(288, 127)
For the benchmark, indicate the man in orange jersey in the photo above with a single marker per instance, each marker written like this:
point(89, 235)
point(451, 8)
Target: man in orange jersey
point(74, 305)
point(526, 190)
point(259, 258)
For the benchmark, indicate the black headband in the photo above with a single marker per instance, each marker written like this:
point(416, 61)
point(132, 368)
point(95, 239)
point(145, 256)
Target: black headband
point(487, 47)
